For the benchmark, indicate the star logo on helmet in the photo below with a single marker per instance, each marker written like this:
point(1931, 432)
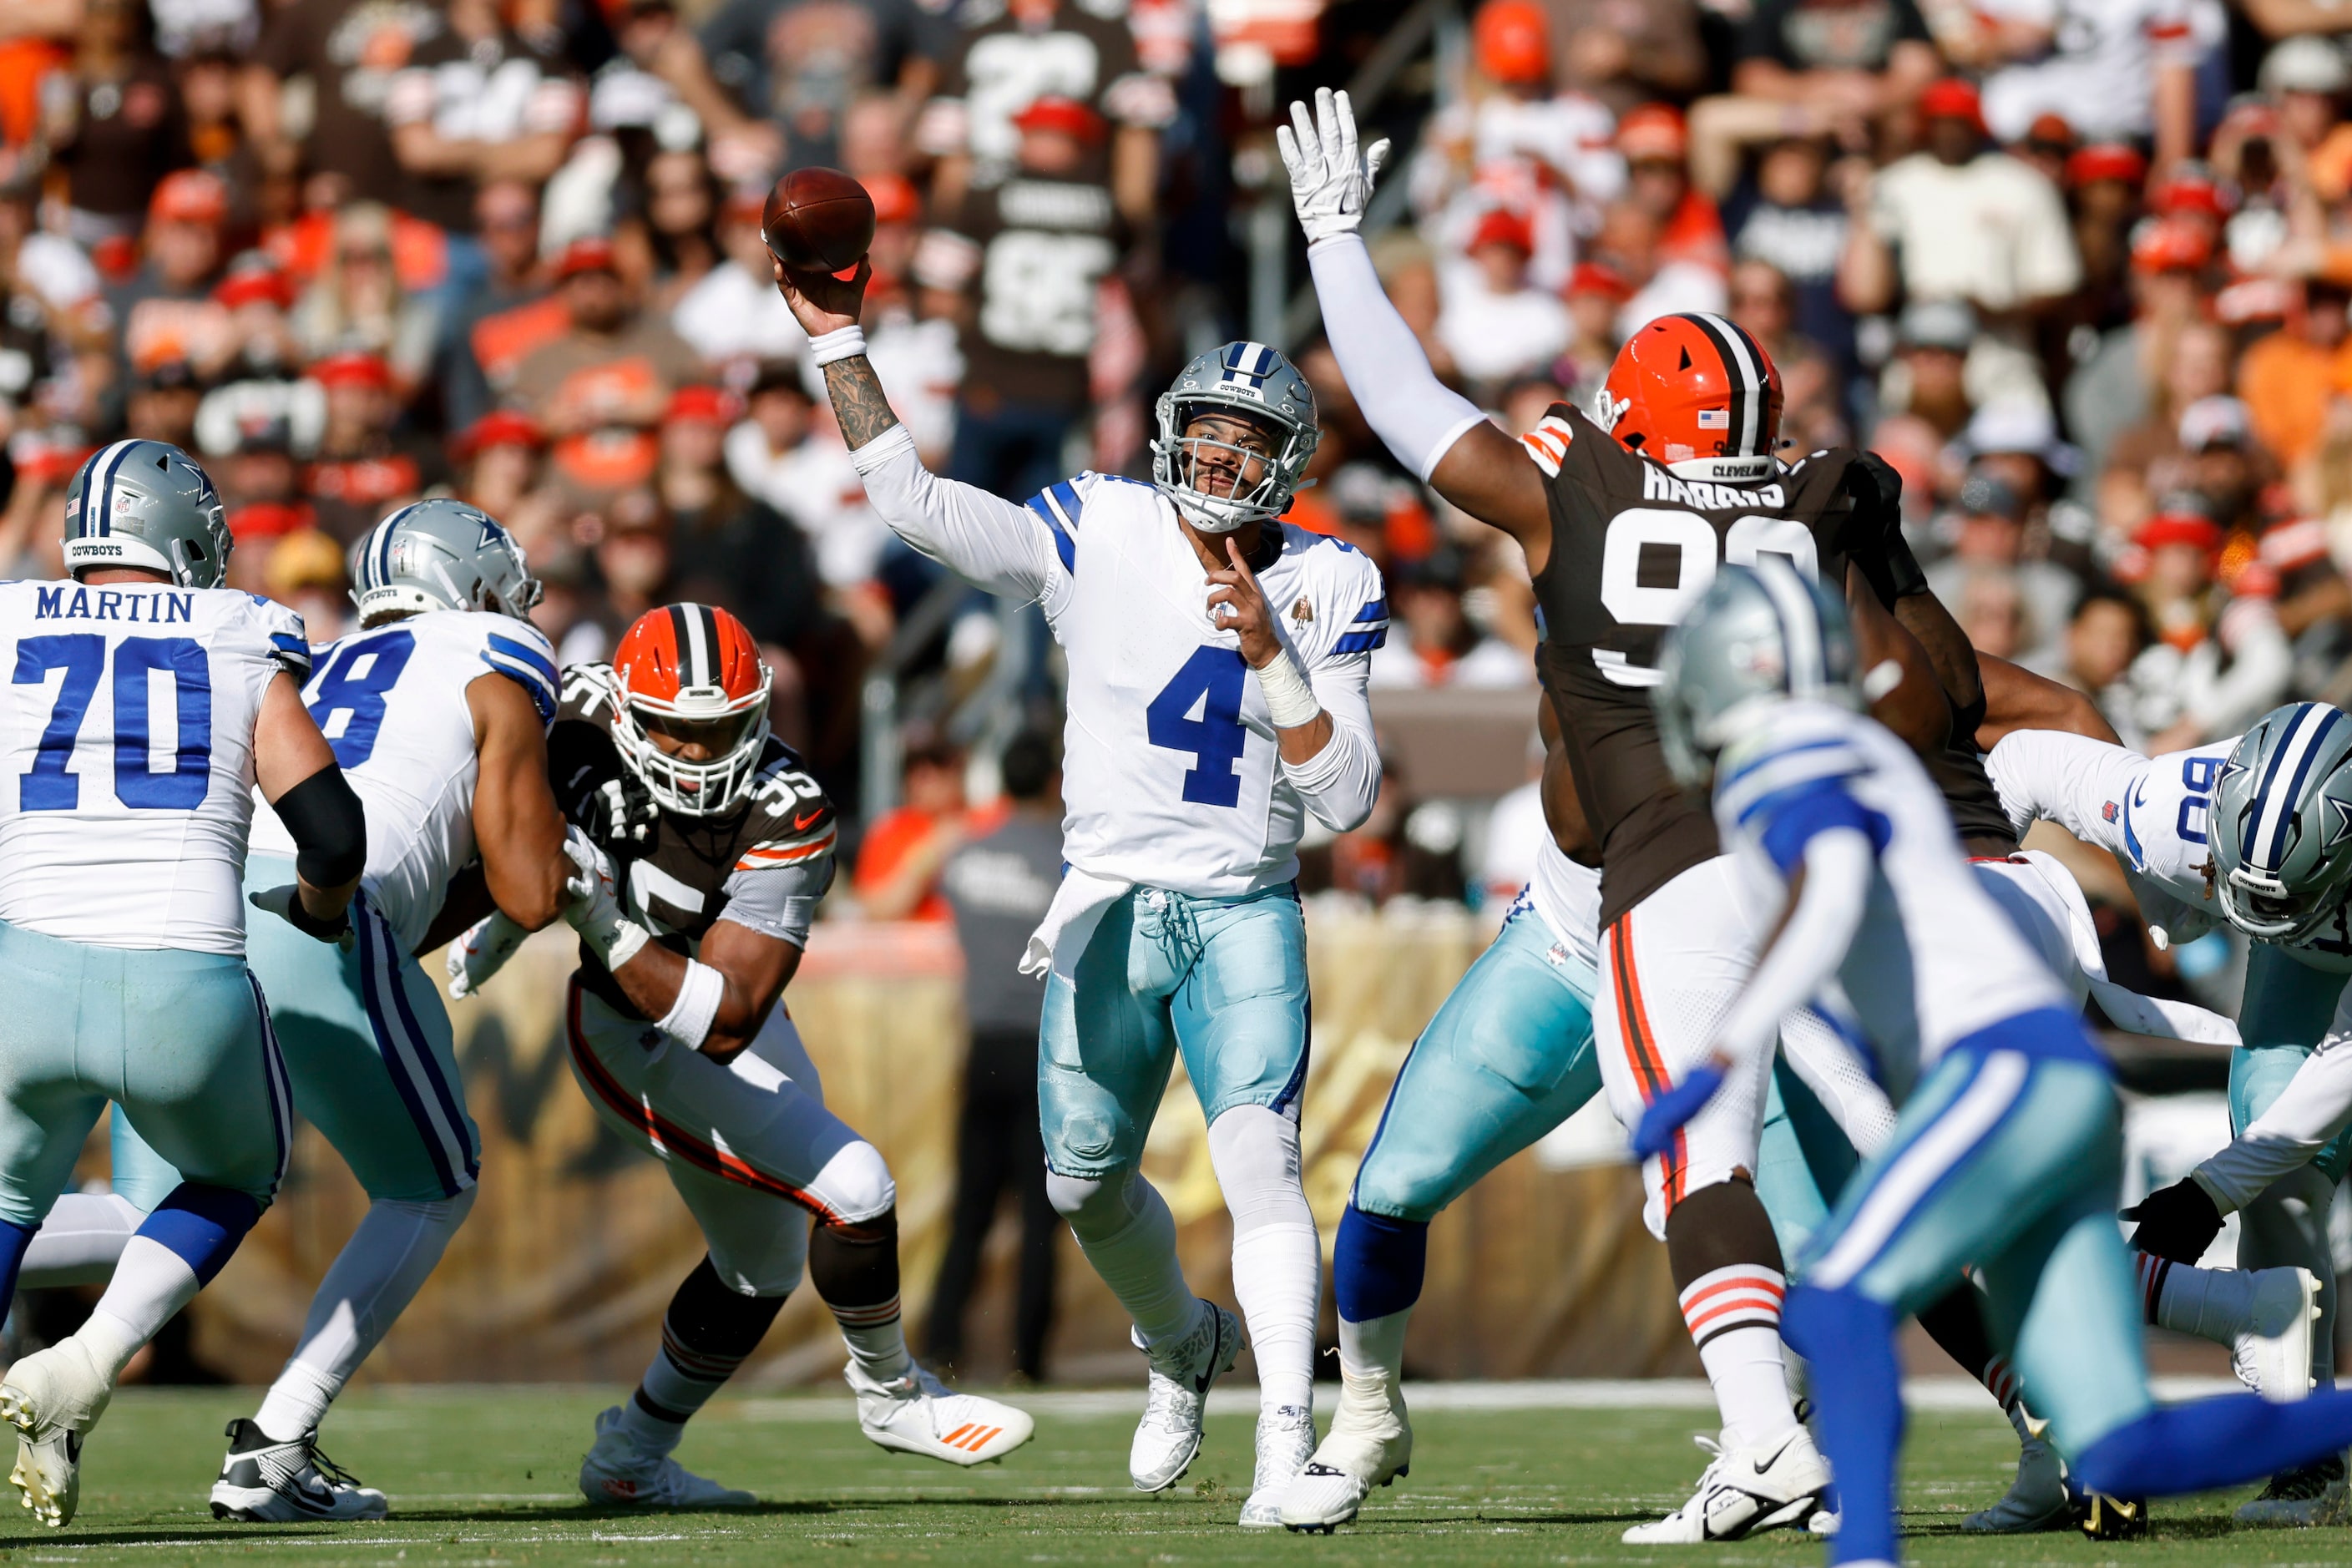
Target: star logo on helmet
point(2339, 824)
point(2230, 768)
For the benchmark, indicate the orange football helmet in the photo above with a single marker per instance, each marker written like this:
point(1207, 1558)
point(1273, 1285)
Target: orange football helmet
point(1694, 392)
point(693, 674)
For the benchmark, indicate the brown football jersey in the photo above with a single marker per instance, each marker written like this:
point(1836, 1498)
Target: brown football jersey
point(1632, 546)
point(764, 865)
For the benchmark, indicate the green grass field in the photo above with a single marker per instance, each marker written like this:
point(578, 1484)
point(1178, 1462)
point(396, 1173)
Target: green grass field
point(485, 1476)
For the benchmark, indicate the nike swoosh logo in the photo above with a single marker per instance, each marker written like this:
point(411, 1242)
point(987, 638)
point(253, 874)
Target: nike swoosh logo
point(799, 824)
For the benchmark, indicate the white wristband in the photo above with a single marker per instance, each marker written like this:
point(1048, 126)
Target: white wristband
point(844, 342)
point(688, 1019)
point(1290, 702)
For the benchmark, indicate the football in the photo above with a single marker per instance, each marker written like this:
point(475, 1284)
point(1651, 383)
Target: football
point(818, 220)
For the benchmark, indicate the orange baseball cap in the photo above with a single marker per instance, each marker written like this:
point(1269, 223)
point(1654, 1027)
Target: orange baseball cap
point(188, 195)
point(1511, 41)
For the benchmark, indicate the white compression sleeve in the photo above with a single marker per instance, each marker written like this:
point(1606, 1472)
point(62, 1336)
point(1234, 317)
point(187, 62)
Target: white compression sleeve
point(1407, 406)
point(1812, 943)
point(986, 539)
point(1340, 782)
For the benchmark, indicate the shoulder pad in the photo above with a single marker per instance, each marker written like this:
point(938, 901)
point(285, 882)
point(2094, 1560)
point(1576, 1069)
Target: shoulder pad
point(791, 821)
point(525, 658)
point(591, 693)
point(290, 640)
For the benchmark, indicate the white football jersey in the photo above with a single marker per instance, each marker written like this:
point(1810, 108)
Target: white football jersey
point(1169, 765)
point(1568, 897)
point(392, 702)
point(2147, 812)
point(1935, 959)
point(128, 733)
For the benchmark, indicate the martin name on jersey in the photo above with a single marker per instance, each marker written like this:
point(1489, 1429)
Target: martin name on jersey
point(1632, 547)
point(764, 865)
point(127, 732)
point(392, 702)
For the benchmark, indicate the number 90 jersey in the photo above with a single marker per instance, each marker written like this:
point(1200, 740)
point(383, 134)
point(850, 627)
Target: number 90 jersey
point(391, 701)
point(126, 733)
point(764, 865)
point(1632, 547)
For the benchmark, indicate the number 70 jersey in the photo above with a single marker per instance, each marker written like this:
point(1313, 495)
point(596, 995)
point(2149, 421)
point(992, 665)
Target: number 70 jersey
point(126, 737)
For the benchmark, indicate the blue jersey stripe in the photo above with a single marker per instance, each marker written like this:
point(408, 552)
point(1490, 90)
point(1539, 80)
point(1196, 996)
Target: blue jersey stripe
point(543, 693)
point(1378, 610)
point(527, 654)
point(1064, 545)
point(1361, 642)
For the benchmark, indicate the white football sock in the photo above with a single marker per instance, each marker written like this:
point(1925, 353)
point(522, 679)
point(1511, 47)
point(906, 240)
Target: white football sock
point(81, 1239)
point(2287, 1226)
point(877, 1340)
point(1734, 1315)
point(151, 1283)
point(649, 1433)
point(370, 1283)
point(2214, 1304)
point(1277, 1258)
point(1375, 1347)
point(1125, 1229)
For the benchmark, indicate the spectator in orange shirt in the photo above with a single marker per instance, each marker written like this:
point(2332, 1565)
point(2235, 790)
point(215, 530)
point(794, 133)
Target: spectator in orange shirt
point(2287, 378)
point(898, 874)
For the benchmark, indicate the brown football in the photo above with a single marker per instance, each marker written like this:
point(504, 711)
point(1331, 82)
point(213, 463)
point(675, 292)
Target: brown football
point(818, 220)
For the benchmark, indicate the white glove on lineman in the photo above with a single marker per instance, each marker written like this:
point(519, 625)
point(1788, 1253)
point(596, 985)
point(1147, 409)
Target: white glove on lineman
point(594, 909)
point(481, 952)
point(1329, 184)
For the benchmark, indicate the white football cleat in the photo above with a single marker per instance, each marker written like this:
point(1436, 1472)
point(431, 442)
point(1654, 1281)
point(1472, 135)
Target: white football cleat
point(1743, 1492)
point(2273, 1356)
point(263, 1480)
point(1370, 1444)
point(917, 1415)
point(1176, 1397)
point(2036, 1500)
point(617, 1471)
point(53, 1398)
point(1285, 1441)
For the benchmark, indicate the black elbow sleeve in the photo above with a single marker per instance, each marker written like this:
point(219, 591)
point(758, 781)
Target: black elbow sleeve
point(328, 826)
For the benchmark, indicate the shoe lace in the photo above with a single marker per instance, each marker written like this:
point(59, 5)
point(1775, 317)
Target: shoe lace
point(1166, 1402)
point(327, 1468)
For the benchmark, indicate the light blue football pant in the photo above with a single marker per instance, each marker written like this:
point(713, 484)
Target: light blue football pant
point(179, 1041)
point(2009, 1161)
point(2286, 1011)
point(1222, 981)
point(369, 1050)
point(1508, 1058)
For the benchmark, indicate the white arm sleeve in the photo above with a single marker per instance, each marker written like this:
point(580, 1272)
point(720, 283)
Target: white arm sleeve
point(2315, 1105)
point(1340, 782)
point(1405, 404)
point(986, 539)
point(1811, 944)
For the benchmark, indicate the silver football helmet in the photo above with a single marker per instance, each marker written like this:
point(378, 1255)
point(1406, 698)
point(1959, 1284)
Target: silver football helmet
point(440, 554)
point(2281, 822)
point(1254, 381)
point(147, 504)
point(1759, 635)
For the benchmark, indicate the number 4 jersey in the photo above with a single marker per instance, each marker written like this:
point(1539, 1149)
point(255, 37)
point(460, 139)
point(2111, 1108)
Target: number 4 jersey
point(392, 702)
point(127, 736)
point(1631, 547)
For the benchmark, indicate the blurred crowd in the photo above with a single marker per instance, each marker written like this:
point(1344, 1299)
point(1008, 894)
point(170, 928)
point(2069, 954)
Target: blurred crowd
point(2079, 268)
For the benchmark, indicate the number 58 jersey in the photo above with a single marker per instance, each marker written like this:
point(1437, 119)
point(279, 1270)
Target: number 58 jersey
point(1632, 548)
point(126, 735)
point(391, 701)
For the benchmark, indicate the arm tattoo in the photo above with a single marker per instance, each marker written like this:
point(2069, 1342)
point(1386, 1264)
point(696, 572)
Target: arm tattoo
point(858, 400)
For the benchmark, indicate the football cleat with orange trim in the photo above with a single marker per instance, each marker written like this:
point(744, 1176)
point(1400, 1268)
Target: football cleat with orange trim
point(917, 1415)
point(1697, 393)
point(692, 710)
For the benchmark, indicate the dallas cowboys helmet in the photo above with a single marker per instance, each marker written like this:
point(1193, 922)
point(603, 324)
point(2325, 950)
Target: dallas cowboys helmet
point(147, 504)
point(440, 554)
point(1254, 381)
point(1757, 635)
point(2281, 822)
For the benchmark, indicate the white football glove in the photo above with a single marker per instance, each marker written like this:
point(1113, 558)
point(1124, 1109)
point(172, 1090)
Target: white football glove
point(285, 902)
point(1330, 184)
point(481, 952)
point(593, 908)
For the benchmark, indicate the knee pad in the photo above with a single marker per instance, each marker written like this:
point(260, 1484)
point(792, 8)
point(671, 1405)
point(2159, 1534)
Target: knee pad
point(855, 1185)
point(707, 1316)
point(1254, 1152)
point(856, 1265)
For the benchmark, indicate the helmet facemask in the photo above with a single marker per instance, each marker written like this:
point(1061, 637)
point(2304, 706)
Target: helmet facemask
point(733, 731)
point(1218, 485)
